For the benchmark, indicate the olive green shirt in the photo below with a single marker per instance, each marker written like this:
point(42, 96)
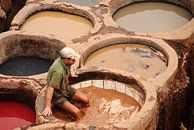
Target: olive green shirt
point(57, 78)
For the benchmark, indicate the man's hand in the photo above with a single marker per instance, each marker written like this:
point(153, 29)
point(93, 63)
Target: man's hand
point(49, 94)
point(75, 67)
point(73, 72)
point(47, 111)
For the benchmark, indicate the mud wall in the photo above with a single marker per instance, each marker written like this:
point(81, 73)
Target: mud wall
point(174, 98)
point(8, 10)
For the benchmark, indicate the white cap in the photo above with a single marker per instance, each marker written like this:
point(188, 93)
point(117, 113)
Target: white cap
point(67, 52)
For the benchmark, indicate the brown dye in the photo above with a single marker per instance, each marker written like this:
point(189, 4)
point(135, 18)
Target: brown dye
point(62, 25)
point(135, 58)
point(152, 17)
point(106, 107)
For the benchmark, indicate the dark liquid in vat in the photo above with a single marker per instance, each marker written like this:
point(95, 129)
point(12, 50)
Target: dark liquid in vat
point(24, 66)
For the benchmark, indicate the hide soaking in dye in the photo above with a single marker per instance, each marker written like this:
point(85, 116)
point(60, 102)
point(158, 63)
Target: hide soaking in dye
point(106, 107)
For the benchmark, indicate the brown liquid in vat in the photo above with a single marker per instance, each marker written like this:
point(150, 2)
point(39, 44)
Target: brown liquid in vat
point(152, 17)
point(106, 107)
point(135, 58)
point(63, 25)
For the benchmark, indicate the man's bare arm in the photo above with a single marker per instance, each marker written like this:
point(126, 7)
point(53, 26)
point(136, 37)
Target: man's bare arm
point(49, 94)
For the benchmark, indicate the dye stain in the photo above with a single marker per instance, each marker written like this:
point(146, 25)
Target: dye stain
point(24, 66)
point(89, 3)
point(62, 25)
point(135, 58)
point(152, 17)
point(14, 114)
point(106, 107)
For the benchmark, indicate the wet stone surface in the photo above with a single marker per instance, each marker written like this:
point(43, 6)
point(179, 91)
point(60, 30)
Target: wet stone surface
point(135, 58)
point(106, 107)
point(89, 3)
point(24, 66)
point(152, 17)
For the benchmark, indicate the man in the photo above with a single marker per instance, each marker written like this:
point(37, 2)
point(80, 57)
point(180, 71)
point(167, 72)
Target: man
point(58, 90)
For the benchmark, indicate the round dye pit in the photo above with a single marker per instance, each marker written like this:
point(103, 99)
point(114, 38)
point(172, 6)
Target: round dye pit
point(136, 58)
point(115, 102)
point(15, 114)
point(89, 3)
point(106, 107)
point(24, 66)
point(152, 17)
point(62, 25)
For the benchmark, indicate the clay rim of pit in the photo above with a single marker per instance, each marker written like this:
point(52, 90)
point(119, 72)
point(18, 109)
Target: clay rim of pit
point(157, 44)
point(24, 89)
point(15, 44)
point(19, 90)
point(148, 92)
point(177, 33)
point(31, 9)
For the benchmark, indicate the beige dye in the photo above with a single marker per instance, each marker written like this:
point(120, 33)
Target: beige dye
point(134, 58)
point(62, 25)
point(96, 116)
point(152, 17)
